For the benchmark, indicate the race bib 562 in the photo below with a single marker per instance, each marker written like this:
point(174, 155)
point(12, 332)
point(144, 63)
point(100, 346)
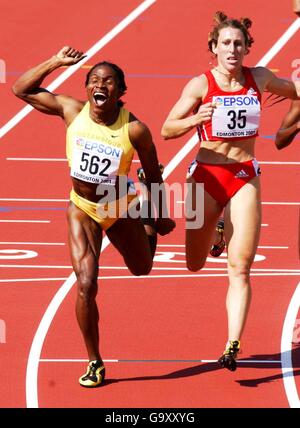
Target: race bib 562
point(94, 161)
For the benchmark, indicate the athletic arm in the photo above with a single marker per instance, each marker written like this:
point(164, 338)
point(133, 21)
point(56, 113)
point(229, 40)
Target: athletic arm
point(179, 120)
point(141, 139)
point(28, 86)
point(296, 7)
point(290, 126)
point(268, 81)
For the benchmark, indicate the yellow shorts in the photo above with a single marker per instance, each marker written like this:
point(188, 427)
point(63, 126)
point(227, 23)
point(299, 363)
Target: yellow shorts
point(105, 214)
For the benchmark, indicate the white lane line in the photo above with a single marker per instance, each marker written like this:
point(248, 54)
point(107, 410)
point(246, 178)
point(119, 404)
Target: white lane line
point(38, 340)
point(260, 246)
point(121, 360)
point(33, 279)
point(52, 313)
point(286, 350)
point(137, 161)
point(264, 203)
point(71, 70)
point(273, 247)
point(277, 163)
point(33, 200)
point(166, 268)
point(48, 160)
point(24, 221)
point(36, 347)
point(195, 275)
point(31, 243)
point(165, 175)
point(280, 43)
point(281, 203)
point(38, 159)
point(183, 152)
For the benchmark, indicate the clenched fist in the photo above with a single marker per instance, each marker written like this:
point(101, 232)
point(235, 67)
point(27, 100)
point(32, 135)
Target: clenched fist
point(69, 56)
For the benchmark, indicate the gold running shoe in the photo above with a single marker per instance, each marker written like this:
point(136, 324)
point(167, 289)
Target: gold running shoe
point(94, 376)
point(228, 359)
point(218, 248)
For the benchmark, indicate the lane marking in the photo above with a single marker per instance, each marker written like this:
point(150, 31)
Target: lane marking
point(31, 243)
point(136, 161)
point(24, 221)
point(39, 337)
point(263, 203)
point(260, 246)
point(33, 200)
point(293, 28)
point(277, 163)
point(49, 160)
point(17, 254)
point(71, 70)
point(13, 266)
point(220, 275)
point(83, 360)
point(38, 159)
point(165, 176)
point(286, 350)
point(280, 203)
point(36, 347)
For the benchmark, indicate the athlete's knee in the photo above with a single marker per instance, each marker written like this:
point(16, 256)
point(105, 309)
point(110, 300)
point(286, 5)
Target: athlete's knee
point(239, 268)
point(86, 286)
point(194, 265)
point(141, 268)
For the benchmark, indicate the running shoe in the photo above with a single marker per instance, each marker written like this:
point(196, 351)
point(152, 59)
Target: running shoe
point(94, 375)
point(218, 248)
point(228, 359)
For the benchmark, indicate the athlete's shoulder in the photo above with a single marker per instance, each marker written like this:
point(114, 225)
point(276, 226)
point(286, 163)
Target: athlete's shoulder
point(196, 87)
point(72, 107)
point(137, 129)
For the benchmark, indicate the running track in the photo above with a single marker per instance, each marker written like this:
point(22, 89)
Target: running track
point(160, 334)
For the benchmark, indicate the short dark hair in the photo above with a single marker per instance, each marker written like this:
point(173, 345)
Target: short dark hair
point(119, 72)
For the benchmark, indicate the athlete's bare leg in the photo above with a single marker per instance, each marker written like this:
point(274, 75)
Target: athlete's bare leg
point(85, 239)
point(242, 230)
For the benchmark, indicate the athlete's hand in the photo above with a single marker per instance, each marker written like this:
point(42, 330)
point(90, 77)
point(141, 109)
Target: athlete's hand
point(164, 226)
point(69, 56)
point(204, 113)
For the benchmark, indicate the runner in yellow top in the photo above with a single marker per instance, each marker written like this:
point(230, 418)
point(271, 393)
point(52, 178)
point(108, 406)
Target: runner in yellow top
point(101, 139)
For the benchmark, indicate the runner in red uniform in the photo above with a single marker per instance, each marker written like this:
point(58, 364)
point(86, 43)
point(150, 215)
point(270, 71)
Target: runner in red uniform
point(224, 105)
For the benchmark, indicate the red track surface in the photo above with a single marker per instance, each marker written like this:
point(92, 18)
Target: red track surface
point(168, 320)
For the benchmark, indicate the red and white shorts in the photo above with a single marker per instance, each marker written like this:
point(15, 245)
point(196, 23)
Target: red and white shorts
point(223, 180)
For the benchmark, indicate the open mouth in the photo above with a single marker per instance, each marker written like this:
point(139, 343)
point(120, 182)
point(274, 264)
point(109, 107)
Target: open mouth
point(99, 98)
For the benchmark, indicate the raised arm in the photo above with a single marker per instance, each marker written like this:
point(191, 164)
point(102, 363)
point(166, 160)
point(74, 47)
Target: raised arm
point(290, 126)
point(179, 120)
point(28, 86)
point(141, 139)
